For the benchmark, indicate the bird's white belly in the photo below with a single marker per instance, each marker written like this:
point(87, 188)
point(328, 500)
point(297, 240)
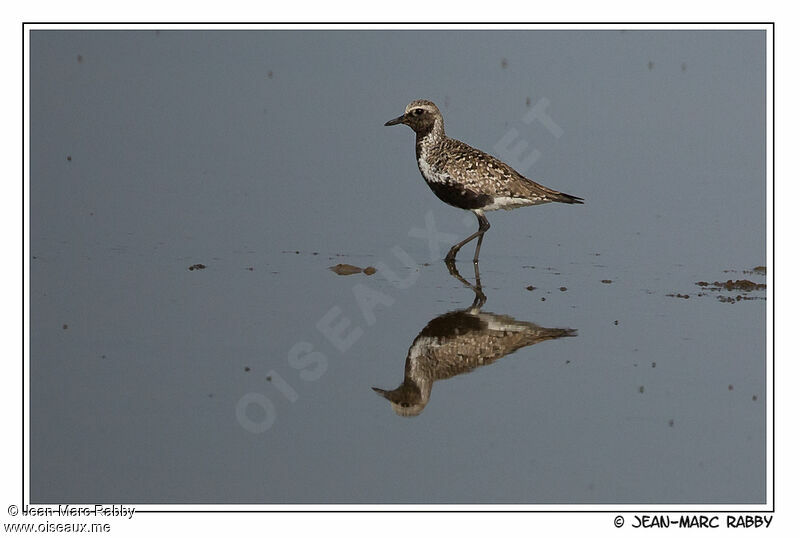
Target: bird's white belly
point(508, 202)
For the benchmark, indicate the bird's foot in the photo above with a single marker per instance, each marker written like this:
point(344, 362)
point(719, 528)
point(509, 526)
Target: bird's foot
point(480, 299)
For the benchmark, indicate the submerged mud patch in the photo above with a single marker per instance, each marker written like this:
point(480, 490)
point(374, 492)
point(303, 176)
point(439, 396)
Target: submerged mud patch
point(347, 269)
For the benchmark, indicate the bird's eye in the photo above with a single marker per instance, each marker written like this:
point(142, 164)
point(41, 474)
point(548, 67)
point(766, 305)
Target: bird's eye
point(418, 111)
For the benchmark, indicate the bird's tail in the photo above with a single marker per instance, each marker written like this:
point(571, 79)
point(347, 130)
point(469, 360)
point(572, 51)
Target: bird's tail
point(539, 194)
point(565, 198)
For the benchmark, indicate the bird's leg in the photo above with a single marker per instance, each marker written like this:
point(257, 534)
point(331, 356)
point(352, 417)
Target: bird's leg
point(483, 225)
point(451, 256)
point(480, 298)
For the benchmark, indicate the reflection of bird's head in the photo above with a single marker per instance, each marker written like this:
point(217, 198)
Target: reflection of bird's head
point(407, 400)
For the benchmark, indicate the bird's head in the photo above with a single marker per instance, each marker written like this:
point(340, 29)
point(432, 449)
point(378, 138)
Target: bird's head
point(420, 115)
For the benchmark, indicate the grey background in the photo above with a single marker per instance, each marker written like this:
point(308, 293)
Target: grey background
point(237, 149)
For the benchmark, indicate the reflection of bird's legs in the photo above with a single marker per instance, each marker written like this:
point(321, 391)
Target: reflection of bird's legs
point(477, 275)
point(480, 298)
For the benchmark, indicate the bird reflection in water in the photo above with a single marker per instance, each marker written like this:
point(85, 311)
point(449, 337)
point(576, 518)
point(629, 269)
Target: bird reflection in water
point(458, 342)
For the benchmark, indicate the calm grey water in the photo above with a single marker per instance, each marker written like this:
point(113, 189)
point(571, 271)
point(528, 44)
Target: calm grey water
point(262, 155)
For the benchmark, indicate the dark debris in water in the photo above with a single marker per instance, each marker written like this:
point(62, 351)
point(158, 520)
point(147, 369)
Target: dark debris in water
point(726, 299)
point(196, 266)
point(744, 285)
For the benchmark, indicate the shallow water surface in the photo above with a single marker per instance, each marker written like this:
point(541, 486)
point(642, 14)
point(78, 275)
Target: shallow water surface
point(191, 191)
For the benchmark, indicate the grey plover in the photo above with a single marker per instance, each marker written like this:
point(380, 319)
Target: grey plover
point(468, 178)
point(459, 342)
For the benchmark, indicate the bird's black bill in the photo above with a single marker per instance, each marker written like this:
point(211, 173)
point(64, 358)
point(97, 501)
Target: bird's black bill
point(395, 121)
